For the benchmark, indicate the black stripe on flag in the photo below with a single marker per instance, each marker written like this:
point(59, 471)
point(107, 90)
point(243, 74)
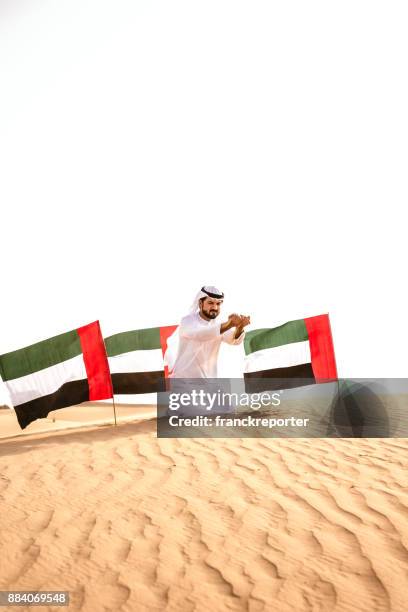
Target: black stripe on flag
point(279, 378)
point(138, 382)
point(70, 394)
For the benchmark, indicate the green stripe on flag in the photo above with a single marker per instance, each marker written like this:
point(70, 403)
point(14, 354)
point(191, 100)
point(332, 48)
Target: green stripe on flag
point(258, 339)
point(137, 340)
point(40, 355)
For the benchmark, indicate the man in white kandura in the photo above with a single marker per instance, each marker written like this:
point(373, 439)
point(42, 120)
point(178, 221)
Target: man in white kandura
point(200, 336)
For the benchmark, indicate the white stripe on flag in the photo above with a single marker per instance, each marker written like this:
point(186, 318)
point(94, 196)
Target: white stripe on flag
point(137, 361)
point(283, 356)
point(46, 381)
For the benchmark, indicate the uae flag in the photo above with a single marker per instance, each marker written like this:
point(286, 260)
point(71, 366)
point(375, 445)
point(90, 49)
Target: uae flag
point(294, 354)
point(136, 359)
point(62, 371)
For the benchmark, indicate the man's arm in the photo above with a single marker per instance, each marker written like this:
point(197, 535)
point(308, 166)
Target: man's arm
point(191, 330)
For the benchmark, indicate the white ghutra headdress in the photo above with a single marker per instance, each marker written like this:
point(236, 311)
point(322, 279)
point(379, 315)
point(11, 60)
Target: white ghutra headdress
point(206, 291)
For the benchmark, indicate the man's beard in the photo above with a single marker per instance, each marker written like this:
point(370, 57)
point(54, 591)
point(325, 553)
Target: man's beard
point(211, 314)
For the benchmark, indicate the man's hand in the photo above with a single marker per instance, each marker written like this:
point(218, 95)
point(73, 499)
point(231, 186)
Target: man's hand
point(234, 320)
point(243, 323)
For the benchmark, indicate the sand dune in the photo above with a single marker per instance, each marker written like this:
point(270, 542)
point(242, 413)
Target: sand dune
point(126, 521)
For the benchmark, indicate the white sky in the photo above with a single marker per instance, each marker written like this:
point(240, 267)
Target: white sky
point(147, 148)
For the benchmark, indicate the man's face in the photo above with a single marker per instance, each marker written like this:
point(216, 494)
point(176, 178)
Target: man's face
point(210, 308)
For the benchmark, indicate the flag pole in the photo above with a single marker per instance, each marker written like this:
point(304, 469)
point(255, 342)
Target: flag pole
point(114, 409)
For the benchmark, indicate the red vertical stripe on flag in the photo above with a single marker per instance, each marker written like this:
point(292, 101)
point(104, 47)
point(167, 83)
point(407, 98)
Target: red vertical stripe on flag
point(321, 348)
point(96, 361)
point(165, 333)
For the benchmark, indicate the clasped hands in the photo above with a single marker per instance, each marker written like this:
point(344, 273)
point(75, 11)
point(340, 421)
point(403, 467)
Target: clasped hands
point(239, 321)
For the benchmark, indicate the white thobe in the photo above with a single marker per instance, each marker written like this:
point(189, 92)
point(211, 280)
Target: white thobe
point(199, 344)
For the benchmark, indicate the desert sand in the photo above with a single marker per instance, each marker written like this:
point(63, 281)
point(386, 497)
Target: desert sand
point(126, 521)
